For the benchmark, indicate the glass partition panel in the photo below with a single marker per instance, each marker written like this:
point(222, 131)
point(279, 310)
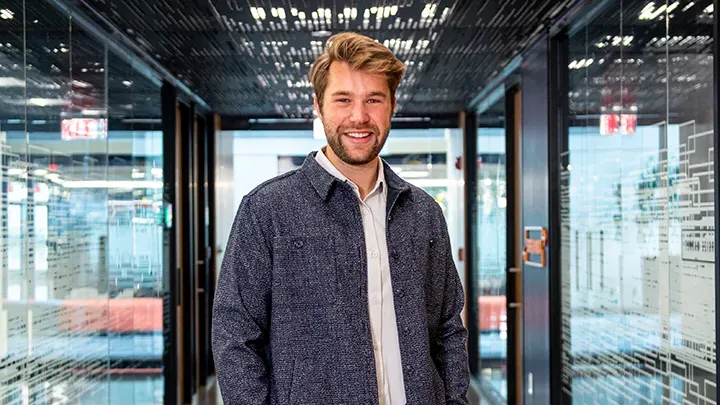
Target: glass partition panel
point(637, 201)
point(134, 274)
point(80, 321)
point(492, 251)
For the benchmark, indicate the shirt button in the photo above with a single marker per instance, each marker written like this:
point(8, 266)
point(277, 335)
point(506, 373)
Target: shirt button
point(376, 347)
point(376, 300)
point(375, 254)
point(366, 211)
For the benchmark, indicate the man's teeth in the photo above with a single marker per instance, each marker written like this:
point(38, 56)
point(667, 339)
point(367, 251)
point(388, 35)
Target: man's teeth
point(358, 134)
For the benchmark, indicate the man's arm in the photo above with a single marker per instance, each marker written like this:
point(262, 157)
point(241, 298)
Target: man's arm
point(241, 313)
point(450, 350)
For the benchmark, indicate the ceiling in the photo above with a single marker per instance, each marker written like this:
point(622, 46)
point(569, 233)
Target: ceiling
point(622, 62)
point(252, 58)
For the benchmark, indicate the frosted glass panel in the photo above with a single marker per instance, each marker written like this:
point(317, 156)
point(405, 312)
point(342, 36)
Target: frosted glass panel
point(637, 202)
point(80, 235)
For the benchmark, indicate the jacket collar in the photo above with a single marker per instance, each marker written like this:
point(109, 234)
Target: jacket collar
point(323, 182)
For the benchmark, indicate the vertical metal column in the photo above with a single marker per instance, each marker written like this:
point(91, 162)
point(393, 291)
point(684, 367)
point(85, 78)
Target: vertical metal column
point(171, 288)
point(513, 290)
point(469, 125)
point(558, 128)
point(716, 172)
point(213, 127)
point(186, 193)
point(203, 248)
point(4, 245)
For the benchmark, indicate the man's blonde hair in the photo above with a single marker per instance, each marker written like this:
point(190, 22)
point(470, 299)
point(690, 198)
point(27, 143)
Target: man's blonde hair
point(361, 53)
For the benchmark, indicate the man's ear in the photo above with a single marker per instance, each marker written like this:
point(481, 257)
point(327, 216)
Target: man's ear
point(316, 104)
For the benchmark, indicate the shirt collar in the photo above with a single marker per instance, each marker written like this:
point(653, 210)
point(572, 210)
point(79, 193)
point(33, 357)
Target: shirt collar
point(323, 182)
point(325, 163)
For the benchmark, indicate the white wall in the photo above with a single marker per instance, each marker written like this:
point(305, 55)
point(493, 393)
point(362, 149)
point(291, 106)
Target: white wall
point(225, 203)
point(255, 160)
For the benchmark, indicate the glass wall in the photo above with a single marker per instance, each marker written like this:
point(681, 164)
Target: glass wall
point(637, 202)
point(492, 250)
point(80, 257)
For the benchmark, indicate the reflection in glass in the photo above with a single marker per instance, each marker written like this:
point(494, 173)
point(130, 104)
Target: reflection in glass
point(637, 203)
point(80, 253)
point(492, 249)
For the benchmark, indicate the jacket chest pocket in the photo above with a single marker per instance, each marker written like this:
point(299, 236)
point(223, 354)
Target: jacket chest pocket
point(304, 269)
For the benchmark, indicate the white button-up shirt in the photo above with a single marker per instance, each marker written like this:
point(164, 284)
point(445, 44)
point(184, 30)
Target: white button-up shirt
point(386, 344)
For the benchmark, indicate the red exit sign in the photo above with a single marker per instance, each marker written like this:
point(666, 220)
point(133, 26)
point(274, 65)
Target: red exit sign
point(83, 128)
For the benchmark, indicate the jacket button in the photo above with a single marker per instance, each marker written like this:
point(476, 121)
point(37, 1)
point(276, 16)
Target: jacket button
point(298, 244)
point(399, 292)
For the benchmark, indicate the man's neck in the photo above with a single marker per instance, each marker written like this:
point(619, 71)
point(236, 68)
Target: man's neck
point(364, 176)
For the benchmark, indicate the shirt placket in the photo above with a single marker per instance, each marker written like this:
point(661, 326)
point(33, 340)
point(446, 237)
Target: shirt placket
point(375, 292)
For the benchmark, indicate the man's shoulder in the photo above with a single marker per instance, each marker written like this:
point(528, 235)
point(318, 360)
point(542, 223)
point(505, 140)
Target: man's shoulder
point(421, 198)
point(276, 187)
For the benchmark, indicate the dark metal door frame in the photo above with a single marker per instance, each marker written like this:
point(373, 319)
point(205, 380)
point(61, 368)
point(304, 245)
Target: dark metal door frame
point(558, 143)
point(203, 246)
point(171, 291)
point(716, 157)
point(509, 86)
point(469, 123)
point(513, 275)
point(188, 259)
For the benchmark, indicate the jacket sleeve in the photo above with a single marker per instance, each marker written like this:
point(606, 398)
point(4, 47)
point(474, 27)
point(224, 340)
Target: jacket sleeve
point(241, 313)
point(450, 350)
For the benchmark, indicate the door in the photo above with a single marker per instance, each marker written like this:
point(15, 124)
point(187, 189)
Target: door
point(498, 255)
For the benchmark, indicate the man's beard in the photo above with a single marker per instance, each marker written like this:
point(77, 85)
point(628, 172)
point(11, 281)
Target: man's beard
point(335, 141)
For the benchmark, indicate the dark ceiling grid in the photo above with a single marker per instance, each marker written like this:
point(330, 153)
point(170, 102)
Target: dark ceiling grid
point(249, 62)
point(248, 67)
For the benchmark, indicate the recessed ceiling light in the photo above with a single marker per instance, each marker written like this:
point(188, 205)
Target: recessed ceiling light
point(6, 14)
point(321, 33)
point(127, 83)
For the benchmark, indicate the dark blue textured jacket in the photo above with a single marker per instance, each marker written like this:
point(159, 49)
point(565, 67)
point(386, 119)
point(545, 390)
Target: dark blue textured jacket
point(291, 323)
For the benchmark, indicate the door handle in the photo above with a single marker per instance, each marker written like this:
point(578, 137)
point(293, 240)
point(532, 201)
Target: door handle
point(514, 270)
point(514, 305)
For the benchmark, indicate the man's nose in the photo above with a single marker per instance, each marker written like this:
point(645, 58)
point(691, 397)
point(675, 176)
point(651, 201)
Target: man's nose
point(359, 114)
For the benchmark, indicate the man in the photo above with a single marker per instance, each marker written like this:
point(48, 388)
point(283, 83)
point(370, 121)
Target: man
point(338, 284)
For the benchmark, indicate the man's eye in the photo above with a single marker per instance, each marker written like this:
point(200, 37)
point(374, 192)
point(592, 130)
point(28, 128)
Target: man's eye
point(343, 100)
point(373, 101)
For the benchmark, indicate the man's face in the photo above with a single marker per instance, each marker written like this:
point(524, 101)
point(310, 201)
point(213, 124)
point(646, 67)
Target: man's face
point(356, 113)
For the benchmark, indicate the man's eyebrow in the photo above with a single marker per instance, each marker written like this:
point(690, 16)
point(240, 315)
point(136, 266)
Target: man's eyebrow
point(347, 94)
